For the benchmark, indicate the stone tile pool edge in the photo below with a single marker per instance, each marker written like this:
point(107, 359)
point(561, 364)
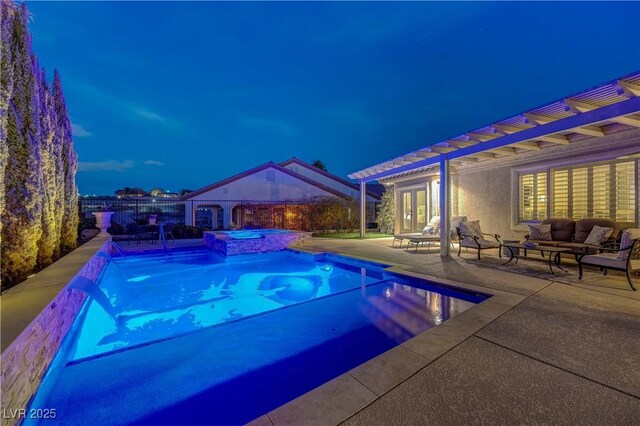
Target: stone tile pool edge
point(37, 330)
point(340, 398)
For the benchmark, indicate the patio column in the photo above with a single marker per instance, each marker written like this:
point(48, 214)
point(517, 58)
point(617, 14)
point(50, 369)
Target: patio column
point(445, 203)
point(363, 208)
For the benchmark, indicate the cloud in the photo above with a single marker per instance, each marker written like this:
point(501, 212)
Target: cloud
point(149, 115)
point(105, 166)
point(154, 163)
point(127, 107)
point(79, 131)
point(268, 125)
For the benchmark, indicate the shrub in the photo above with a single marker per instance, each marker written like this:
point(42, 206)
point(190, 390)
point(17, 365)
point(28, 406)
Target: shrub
point(186, 231)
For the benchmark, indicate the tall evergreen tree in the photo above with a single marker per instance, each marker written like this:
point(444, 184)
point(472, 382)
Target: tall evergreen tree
point(387, 212)
point(69, 234)
point(47, 244)
point(6, 90)
point(22, 215)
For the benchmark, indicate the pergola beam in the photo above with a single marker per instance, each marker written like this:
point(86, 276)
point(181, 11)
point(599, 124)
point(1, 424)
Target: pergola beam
point(506, 129)
point(633, 88)
point(460, 144)
point(482, 137)
point(537, 120)
point(589, 131)
point(528, 145)
point(557, 139)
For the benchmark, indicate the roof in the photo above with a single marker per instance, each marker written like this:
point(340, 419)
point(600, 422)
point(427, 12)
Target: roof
point(259, 169)
point(294, 160)
point(608, 108)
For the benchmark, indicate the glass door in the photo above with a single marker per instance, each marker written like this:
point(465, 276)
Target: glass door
point(406, 210)
point(413, 209)
point(421, 209)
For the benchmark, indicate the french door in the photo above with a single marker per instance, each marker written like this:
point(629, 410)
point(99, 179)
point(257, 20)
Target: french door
point(413, 210)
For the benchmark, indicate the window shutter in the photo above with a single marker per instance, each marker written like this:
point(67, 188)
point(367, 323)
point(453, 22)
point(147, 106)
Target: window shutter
point(601, 191)
point(532, 202)
point(625, 193)
point(560, 193)
point(579, 193)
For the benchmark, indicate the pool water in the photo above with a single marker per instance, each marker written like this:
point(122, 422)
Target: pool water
point(196, 338)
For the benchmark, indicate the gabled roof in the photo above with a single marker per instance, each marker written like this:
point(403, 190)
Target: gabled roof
point(608, 108)
point(294, 160)
point(260, 168)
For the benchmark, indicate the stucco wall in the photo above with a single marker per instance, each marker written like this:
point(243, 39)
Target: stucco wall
point(327, 181)
point(486, 195)
point(255, 187)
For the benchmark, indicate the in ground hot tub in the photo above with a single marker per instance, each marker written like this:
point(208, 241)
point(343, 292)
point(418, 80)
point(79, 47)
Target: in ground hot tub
point(230, 243)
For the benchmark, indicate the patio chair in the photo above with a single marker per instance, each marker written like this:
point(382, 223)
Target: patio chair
point(431, 229)
point(168, 227)
point(470, 236)
point(133, 233)
point(625, 259)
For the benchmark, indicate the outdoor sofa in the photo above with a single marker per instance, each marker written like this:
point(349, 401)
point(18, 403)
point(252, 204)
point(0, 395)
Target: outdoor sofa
point(573, 234)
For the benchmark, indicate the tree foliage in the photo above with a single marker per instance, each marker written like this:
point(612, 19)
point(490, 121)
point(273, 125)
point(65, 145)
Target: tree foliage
point(38, 163)
point(387, 212)
point(319, 164)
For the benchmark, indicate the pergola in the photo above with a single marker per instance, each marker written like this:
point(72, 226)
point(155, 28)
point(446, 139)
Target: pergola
point(608, 108)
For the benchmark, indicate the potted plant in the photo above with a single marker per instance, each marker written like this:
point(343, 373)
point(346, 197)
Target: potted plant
point(103, 218)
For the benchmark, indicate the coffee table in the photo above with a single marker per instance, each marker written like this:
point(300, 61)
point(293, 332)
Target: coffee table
point(554, 253)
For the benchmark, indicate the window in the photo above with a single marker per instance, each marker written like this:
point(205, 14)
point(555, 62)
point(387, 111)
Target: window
point(604, 190)
point(533, 197)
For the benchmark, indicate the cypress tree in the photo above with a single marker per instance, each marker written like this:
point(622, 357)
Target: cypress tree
point(47, 244)
point(6, 90)
point(69, 233)
point(22, 215)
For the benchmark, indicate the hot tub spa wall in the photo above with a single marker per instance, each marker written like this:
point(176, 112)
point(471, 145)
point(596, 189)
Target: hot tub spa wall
point(27, 358)
point(270, 242)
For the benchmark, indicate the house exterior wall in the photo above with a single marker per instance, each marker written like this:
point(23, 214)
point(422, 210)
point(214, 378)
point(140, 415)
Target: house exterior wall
point(256, 187)
point(327, 181)
point(487, 191)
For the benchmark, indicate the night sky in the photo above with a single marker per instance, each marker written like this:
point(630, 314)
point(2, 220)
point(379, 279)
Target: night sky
point(179, 95)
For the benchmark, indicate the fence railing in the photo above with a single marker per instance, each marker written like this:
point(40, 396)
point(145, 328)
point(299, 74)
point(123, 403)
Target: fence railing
point(308, 215)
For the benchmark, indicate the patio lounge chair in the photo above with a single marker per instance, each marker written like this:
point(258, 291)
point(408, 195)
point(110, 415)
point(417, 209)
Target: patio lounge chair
point(625, 259)
point(431, 229)
point(471, 236)
point(419, 239)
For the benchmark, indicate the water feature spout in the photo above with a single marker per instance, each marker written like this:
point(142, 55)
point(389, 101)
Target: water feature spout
point(91, 289)
point(119, 250)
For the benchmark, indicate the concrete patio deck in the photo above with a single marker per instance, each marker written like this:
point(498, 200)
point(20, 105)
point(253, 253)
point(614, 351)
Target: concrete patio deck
point(558, 351)
point(544, 349)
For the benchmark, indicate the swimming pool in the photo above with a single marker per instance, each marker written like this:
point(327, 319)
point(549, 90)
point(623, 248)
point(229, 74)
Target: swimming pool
point(196, 336)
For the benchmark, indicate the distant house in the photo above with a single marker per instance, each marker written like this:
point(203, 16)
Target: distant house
point(267, 187)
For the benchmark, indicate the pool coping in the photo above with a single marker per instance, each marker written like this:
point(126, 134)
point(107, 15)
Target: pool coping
point(23, 303)
point(340, 398)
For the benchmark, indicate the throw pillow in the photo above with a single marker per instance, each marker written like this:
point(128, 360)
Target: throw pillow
point(540, 232)
point(598, 235)
point(429, 230)
point(625, 241)
point(628, 236)
point(471, 228)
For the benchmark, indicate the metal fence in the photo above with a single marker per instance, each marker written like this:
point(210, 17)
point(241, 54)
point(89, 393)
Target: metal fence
point(308, 215)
